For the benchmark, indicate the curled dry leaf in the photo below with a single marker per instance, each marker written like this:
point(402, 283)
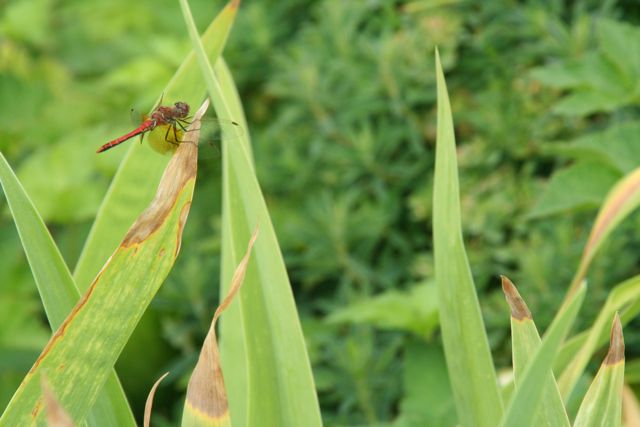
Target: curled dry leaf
point(149, 404)
point(206, 393)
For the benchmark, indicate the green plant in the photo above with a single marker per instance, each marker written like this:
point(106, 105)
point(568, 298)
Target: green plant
point(340, 97)
point(536, 398)
point(102, 321)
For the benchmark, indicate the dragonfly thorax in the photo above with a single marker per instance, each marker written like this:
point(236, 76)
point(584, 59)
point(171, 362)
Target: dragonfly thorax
point(169, 115)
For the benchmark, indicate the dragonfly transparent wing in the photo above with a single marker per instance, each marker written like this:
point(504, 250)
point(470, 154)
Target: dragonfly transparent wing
point(213, 131)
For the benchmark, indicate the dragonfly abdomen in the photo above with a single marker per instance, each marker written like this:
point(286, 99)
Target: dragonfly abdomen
point(146, 126)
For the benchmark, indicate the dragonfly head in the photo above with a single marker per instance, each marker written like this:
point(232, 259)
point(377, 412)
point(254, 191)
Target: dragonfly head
point(182, 108)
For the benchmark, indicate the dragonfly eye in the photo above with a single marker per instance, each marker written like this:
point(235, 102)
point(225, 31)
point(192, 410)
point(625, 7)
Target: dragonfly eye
point(182, 108)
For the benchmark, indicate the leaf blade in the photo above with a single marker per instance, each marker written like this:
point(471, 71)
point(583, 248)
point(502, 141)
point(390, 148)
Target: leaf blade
point(524, 403)
point(88, 342)
point(473, 377)
point(57, 289)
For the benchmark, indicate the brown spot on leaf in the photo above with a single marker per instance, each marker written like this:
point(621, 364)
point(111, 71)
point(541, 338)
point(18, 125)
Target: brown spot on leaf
point(36, 409)
point(56, 415)
point(162, 252)
point(59, 333)
point(616, 344)
point(184, 213)
point(519, 309)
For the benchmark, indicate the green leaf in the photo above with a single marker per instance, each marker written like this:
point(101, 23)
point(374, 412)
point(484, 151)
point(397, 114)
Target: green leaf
point(278, 387)
point(81, 353)
point(469, 361)
point(426, 385)
point(415, 311)
point(579, 186)
point(597, 83)
point(525, 402)
point(57, 288)
point(616, 146)
point(602, 405)
point(620, 43)
point(558, 75)
point(588, 101)
point(625, 298)
point(621, 297)
point(525, 340)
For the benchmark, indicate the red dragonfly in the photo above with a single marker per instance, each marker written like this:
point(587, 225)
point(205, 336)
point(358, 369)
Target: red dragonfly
point(175, 117)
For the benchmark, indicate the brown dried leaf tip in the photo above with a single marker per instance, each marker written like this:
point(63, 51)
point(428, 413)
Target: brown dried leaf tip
point(616, 345)
point(206, 393)
point(149, 404)
point(56, 415)
point(519, 309)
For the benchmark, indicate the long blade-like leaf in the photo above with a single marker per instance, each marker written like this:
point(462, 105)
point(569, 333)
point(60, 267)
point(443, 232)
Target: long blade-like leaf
point(525, 342)
point(206, 403)
point(278, 387)
point(525, 402)
point(623, 199)
point(83, 350)
point(602, 405)
point(624, 297)
point(57, 289)
point(469, 362)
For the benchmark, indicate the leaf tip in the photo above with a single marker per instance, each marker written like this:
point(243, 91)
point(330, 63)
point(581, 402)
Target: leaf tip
point(616, 345)
point(149, 404)
point(519, 309)
point(438, 63)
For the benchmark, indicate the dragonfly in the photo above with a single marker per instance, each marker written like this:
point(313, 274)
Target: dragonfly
point(174, 117)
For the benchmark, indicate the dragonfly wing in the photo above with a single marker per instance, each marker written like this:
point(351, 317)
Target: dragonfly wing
point(213, 129)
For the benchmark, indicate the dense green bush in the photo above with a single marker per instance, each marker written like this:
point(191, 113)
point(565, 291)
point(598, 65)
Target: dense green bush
point(340, 97)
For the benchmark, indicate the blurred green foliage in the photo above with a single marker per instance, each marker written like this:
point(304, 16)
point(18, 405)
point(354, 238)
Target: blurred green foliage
point(340, 101)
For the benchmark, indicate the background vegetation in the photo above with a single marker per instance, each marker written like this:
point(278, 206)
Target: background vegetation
point(340, 97)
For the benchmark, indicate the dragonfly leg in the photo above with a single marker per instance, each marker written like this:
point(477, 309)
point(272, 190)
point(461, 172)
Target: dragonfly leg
point(186, 121)
point(166, 136)
point(179, 122)
point(175, 133)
